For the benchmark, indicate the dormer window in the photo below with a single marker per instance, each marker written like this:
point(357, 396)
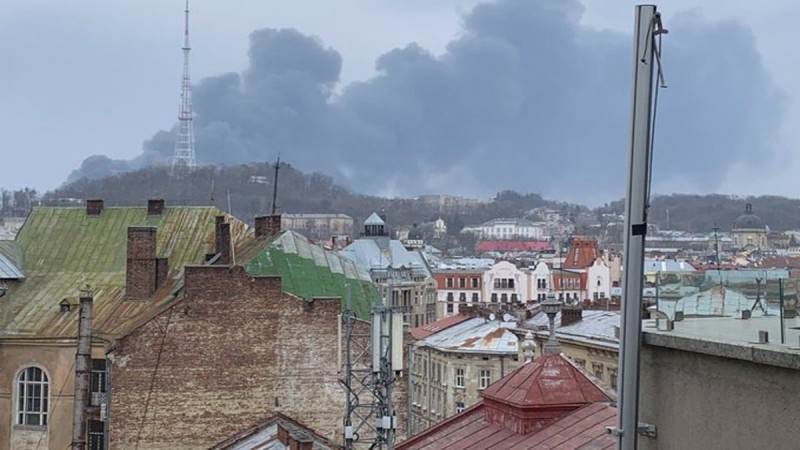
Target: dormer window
point(64, 306)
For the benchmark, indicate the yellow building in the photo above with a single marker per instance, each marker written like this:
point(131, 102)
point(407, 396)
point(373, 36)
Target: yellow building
point(451, 367)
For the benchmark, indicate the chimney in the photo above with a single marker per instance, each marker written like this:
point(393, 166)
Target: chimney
point(141, 270)
point(570, 315)
point(268, 225)
point(94, 207)
point(223, 241)
point(155, 207)
point(83, 361)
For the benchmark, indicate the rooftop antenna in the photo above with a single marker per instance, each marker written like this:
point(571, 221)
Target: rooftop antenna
point(716, 252)
point(212, 192)
point(183, 161)
point(275, 186)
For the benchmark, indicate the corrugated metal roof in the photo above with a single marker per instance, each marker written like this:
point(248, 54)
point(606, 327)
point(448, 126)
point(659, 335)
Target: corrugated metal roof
point(382, 252)
point(595, 325)
point(309, 271)
point(476, 335)
point(63, 249)
point(9, 270)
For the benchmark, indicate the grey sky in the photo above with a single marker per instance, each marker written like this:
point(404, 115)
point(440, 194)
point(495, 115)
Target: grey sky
point(97, 77)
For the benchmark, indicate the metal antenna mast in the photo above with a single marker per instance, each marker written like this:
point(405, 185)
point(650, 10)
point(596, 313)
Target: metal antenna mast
point(373, 354)
point(183, 161)
point(645, 57)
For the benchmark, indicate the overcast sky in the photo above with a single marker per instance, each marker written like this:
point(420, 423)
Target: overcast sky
point(93, 77)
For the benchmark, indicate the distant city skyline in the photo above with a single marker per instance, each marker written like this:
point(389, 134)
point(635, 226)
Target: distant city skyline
point(98, 78)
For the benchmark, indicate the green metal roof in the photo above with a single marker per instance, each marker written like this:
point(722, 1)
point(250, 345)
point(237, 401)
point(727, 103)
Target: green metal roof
point(308, 271)
point(61, 250)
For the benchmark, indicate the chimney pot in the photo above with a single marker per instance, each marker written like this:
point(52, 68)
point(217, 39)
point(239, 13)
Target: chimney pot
point(155, 207)
point(94, 207)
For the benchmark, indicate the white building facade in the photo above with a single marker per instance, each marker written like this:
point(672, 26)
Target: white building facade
point(507, 229)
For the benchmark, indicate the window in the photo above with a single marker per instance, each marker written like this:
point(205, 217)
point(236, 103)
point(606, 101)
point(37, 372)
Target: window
point(474, 297)
point(32, 397)
point(614, 381)
point(513, 297)
point(494, 297)
point(462, 282)
point(475, 283)
point(97, 435)
point(449, 308)
point(459, 380)
point(462, 297)
point(485, 379)
point(449, 297)
point(449, 282)
point(459, 407)
point(504, 298)
point(511, 283)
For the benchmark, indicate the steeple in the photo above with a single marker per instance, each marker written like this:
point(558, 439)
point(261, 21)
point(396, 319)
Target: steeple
point(183, 161)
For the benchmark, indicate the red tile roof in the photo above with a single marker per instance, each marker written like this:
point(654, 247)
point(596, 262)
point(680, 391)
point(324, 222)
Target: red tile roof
point(582, 253)
point(435, 327)
point(512, 246)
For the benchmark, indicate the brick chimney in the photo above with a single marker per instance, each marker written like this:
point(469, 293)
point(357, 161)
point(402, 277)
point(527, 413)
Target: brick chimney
point(223, 241)
point(155, 207)
point(268, 225)
point(141, 270)
point(94, 207)
point(570, 315)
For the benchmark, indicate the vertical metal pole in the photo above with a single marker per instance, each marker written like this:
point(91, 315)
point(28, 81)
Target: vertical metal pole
point(83, 359)
point(780, 299)
point(410, 392)
point(635, 226)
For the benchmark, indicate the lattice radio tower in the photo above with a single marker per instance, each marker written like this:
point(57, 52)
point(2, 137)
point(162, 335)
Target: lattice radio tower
point(183, 161)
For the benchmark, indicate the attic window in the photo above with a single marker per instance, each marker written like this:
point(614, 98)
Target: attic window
point(64, 306)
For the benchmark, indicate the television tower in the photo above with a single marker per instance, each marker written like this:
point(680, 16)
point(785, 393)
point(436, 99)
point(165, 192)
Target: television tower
point(183, 161)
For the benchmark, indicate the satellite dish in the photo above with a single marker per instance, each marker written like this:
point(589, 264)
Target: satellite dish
point(491, 316)
point(507, 317)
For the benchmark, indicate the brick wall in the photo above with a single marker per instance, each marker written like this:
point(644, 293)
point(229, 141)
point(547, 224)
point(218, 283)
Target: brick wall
point(141, 269)
point(232, 352)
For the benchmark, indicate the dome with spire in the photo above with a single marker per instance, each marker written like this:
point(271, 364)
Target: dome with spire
point(748, 220)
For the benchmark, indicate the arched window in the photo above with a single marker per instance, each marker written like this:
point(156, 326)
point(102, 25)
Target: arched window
point(33, 395)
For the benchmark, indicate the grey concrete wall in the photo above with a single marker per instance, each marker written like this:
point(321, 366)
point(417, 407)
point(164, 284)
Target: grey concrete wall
point(700, 401)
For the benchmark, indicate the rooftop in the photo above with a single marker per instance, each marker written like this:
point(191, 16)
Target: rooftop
point(308, 271)
point(437, 326)
point(60, 250)
point(277, 433)
point(475, 335)
point(548, 403)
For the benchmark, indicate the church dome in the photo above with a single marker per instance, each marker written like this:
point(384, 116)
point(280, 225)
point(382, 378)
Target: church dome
point(748, 220)
point(415, 233)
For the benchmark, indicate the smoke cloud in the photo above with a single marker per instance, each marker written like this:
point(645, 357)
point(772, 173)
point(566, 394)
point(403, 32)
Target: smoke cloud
point(526, 98)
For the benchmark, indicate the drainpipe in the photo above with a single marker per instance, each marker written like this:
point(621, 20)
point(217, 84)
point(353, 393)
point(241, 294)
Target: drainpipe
point(83, 359)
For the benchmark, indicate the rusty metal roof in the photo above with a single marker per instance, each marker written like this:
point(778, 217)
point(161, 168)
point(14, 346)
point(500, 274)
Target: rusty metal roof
point(476, 335)
point(550, 380)
point(64, 249)
point(435, 327)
